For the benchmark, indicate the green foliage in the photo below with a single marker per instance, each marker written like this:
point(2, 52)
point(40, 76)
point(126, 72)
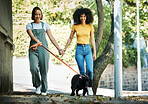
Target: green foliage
point(58, 14)
point(21, 41)
point(129, 27)
point(129, 56)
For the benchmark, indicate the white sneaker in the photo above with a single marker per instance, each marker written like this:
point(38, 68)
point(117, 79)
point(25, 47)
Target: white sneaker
point(90, 92)
point(38, 90)
point(44, 93)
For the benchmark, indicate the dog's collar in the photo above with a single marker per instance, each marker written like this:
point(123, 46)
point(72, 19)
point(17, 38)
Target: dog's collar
point(81, 76)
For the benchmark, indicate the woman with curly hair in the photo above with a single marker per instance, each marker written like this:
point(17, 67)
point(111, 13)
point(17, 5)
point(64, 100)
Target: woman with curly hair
point(84, 31)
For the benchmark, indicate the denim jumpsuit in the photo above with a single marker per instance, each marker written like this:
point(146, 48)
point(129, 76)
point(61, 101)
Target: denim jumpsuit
point(39, 60)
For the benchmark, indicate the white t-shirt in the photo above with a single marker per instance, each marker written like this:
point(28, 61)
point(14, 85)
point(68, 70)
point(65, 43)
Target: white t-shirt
point(37, 26)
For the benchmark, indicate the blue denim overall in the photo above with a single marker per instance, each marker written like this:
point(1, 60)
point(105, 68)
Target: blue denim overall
point(39, 60)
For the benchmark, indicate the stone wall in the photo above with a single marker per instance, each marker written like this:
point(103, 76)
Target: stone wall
point(6, 46)
point(130, 82)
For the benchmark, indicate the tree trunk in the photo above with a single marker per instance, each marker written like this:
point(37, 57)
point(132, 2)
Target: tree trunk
point(104, 59)
point(99, 34)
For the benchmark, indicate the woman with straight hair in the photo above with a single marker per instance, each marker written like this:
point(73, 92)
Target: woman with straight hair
point(39, 58)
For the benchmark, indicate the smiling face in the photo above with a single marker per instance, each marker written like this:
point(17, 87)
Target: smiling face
point(83, 18)
point(37, 16)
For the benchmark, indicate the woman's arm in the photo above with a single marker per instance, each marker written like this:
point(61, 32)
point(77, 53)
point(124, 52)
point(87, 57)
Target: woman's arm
point(93, 45)
point(69, 40)
point(52, 39)
point(30, 33)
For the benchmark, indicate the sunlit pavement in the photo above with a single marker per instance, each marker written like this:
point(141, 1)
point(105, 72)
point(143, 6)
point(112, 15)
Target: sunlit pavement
point(59, 79)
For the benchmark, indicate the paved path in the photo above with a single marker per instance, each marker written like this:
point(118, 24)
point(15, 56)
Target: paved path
point(58, 76)
point(59, 79)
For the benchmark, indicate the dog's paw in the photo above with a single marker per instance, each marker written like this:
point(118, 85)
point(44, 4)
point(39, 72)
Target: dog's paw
point(78, 95)
point(72, 94)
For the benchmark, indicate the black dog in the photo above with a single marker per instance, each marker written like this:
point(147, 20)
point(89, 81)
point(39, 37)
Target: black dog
point(79, 82)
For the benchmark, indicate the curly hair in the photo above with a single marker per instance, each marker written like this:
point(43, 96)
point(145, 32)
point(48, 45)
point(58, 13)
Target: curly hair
point(33, 12)
point(79, 12)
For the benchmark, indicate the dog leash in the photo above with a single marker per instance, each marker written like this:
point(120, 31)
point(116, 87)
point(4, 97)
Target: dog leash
point(54, 56)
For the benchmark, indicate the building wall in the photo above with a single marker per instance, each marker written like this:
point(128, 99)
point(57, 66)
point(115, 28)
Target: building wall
point(6, 46)
point(129, 83)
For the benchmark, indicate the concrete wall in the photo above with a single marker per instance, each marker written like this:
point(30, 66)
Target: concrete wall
point(130, 82)
point(6, 46)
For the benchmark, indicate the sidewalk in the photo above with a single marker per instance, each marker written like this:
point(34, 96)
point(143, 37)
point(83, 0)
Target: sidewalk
point(59, 76)
point(59, 79)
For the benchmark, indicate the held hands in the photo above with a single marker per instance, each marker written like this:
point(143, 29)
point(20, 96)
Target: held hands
point(61, 51)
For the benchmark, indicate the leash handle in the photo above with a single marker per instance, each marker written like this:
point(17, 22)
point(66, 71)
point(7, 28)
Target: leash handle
point(60, 60)
point(35, 46)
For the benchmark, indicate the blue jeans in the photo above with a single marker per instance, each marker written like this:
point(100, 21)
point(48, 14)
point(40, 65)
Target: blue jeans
point(83, 52)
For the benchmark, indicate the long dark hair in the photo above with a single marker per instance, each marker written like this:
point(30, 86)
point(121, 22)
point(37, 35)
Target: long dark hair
point(33, 12)
point(79, 12)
